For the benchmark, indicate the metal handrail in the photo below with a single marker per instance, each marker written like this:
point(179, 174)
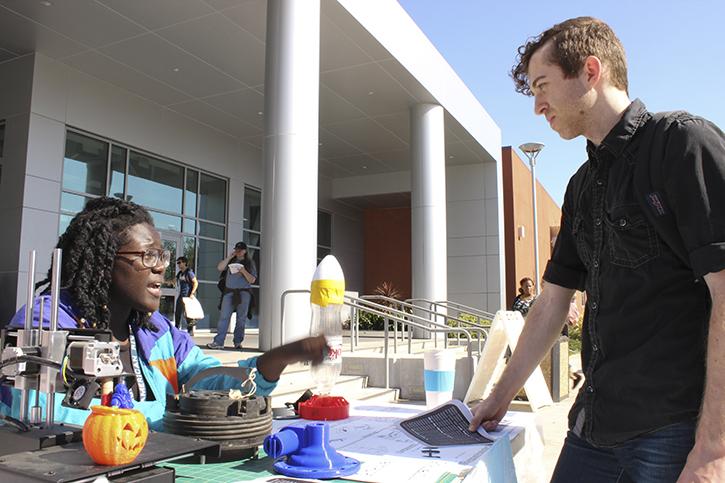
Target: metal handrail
point(400, 316)
point(480, 329)
point(390, 314)
point(478, 313)
point(467, 308)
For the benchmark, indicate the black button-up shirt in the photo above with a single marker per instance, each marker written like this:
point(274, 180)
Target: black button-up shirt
point(647, 312)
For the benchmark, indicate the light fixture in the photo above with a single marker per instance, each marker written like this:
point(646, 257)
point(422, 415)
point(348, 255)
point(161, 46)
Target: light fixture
point(370, 93)
point(532, 150)
point(450, 156)
point(176, 69)
point(259, 113)
point(46, 3)
point(364, 167)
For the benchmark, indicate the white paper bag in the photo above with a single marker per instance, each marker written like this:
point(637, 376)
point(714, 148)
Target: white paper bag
point(192, 308)
point(235, 267)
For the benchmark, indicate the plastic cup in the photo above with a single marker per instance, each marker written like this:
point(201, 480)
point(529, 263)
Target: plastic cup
point(439, 374)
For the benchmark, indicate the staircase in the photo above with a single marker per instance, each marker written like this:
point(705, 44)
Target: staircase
point(296, 379)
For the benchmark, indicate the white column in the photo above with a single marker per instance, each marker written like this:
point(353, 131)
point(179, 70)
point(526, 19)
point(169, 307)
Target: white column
point(429, 255)
point(289, 198)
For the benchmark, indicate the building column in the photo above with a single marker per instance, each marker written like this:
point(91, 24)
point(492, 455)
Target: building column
point(289, 197)
point(429, 254)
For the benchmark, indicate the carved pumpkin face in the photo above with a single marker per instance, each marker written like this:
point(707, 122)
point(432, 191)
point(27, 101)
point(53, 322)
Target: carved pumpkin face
point(114, 436)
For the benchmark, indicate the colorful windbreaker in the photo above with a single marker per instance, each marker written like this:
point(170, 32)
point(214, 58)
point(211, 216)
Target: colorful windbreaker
point(167, 358)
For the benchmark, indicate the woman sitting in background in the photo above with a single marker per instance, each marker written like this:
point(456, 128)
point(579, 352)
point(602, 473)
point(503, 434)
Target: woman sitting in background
point(525, 298)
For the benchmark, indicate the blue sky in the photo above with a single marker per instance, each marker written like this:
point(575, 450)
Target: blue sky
point(675, 53)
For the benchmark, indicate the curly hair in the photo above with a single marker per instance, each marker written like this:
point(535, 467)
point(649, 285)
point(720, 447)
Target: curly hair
point(572, 41)
point(89, 247)
point(523, 281)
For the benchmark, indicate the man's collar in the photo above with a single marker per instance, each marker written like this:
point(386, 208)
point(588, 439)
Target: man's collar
point(632, 119)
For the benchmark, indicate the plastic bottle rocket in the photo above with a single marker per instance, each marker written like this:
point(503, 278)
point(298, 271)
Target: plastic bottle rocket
point(327, 293)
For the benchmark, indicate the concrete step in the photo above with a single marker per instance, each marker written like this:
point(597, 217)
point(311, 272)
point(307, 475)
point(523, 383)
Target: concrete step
point(406, 371)
point(292, 386)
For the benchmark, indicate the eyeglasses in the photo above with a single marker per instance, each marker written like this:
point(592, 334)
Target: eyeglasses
point(151, 257)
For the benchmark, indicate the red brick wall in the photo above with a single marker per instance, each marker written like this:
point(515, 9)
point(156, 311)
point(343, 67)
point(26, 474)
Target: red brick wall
point(387, 249)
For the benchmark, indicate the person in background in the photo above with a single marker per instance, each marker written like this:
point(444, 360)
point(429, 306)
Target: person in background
point(112, 270)
point(238, 274)
point(522, 302)
point(187, 283)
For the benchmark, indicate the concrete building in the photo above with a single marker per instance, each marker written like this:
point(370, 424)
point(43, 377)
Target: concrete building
point(519, 223)
point(285, 123)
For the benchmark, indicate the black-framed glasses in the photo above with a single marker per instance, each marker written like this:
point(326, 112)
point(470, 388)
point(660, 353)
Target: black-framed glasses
point(152, 257)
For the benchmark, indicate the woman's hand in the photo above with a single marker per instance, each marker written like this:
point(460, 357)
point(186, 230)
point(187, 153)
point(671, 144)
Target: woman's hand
point(273, 362)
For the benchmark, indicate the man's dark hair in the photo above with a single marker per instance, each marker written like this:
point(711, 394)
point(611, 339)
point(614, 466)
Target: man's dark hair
point(572, 41)
point(184, 260)
point(89, 247)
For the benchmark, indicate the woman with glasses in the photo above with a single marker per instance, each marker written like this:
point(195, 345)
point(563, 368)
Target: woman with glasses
point(111, 275)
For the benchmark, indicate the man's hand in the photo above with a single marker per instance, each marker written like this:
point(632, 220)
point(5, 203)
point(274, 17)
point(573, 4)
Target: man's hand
point(488, 413)
point(702, 467)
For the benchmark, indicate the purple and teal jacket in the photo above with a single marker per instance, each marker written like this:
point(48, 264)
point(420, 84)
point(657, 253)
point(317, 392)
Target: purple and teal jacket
point(167, 358)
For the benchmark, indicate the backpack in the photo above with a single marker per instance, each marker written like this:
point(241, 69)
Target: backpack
point(222, 283)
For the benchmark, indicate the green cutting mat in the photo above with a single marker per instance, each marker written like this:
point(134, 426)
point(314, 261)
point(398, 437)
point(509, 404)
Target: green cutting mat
point(240, 470)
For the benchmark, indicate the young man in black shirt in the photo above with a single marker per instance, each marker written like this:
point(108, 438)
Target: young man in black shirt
point(652, 408)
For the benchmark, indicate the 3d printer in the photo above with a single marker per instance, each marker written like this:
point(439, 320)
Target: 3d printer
point(39, 360)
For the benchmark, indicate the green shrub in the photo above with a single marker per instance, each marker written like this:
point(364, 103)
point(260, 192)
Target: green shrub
point(368, 321)
point(467, 317)
point(575, 338)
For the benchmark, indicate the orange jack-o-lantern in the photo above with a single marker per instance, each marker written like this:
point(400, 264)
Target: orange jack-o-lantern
point(114, 436)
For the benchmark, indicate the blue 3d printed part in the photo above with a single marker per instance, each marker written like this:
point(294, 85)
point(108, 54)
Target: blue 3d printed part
point(306, 453)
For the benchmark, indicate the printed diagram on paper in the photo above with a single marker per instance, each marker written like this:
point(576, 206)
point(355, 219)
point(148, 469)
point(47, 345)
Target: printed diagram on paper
point(448, 424)
point(373, 435)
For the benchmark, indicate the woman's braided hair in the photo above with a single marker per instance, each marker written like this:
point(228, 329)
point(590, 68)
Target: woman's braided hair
point(89, 247)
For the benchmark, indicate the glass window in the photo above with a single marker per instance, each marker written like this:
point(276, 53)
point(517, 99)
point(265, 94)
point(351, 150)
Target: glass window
point(192, 188)
point(189, 226)
point(212, 198)
point(210, 253)
point(324, 229)
point(322, 252)
point(2, 138)
point(162, 221)
point(208, 296)
point(118, 172)
point(252, 209)
point(251, 238)
point(71, 203)
point(190, 251)
point(155, 183)
point(255, 256)
point(64, 222)
point(84, 167)
point(211, 230)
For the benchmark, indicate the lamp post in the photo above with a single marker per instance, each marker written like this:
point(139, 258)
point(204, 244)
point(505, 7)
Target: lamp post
point(532, 150)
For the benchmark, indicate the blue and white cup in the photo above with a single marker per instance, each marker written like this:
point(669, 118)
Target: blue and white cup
point(439, 374)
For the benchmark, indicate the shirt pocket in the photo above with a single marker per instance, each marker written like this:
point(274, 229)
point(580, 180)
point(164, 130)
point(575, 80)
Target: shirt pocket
point(632, 240)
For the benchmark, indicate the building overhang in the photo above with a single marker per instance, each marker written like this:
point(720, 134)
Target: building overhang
point(204, 60)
